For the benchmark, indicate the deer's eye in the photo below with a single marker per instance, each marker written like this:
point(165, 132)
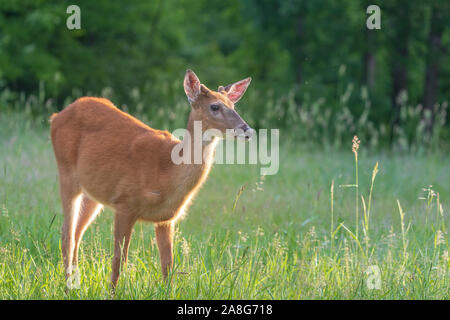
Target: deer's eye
point(215, 107)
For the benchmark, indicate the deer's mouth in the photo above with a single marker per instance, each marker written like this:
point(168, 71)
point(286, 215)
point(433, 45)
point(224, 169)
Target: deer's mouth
point(243, 133)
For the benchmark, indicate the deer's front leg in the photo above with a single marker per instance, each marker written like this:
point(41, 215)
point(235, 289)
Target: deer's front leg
point(123, 227)
point(164, 238)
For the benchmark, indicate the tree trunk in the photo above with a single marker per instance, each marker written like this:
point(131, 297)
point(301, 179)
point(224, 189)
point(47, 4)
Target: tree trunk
point(399, 59)
point(433, 67)
point(299, 53)
point(369, 59)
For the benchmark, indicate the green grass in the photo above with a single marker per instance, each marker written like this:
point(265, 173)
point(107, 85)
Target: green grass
point(276, 240)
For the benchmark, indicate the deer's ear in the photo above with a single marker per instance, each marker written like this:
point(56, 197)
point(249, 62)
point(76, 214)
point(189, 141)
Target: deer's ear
point(191, 85)
point(236, 90)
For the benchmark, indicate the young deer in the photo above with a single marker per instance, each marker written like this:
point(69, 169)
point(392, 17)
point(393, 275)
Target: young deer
point(107, 157)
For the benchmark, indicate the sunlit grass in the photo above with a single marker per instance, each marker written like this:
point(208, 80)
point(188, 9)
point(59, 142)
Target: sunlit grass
point(287, 236)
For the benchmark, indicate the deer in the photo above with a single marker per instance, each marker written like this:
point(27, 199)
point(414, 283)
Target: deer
point(106, 157)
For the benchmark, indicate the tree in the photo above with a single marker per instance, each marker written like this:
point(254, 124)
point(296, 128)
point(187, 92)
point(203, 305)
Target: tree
point(438, 23)
point(369, 52)
point(399, 30)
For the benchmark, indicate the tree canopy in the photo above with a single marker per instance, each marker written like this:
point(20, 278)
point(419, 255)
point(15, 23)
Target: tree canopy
point(319, 49)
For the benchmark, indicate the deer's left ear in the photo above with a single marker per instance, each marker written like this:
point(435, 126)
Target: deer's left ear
point(236, 90)
point(191, 85)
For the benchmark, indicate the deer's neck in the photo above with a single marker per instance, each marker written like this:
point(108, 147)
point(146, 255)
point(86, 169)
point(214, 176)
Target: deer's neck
point(194, 173)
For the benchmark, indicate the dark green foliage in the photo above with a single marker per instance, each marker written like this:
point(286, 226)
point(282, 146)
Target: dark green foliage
point(299, 52)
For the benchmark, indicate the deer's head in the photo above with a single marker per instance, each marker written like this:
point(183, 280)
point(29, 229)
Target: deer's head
point(216, 108)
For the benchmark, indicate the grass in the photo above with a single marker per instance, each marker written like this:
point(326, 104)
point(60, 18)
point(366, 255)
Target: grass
point(287, 236)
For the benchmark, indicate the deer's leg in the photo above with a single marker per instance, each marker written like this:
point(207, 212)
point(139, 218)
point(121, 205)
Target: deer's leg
point(164, 238)
point(89, 209)
point(70, 198)
point(123, 227)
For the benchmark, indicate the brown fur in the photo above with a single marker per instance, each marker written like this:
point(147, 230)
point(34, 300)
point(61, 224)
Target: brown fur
point(107, 157)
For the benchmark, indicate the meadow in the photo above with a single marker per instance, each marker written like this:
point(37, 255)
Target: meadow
point(324, 227)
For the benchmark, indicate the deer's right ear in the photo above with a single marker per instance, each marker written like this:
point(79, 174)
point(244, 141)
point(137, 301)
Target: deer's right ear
point(191, 85)
point(236, 90)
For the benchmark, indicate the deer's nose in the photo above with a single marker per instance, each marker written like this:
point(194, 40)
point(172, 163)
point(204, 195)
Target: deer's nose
point(249, 133)
point(244, 131)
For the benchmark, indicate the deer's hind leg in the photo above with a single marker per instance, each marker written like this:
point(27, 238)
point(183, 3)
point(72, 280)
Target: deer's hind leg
point(123, 228)
point(70, 198)
point(89, 209)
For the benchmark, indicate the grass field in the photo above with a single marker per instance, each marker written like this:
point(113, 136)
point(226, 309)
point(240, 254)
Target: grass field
point(285, 236)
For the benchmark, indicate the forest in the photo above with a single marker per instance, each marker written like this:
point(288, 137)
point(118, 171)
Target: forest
point(318, 71)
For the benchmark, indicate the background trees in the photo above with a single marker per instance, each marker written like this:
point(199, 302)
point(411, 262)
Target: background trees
point(298, 51)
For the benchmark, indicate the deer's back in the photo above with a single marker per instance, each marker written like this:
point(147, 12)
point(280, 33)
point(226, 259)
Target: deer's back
point(112, 155)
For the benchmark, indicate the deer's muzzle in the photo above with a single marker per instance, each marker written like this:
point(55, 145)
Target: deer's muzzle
point(243, 132)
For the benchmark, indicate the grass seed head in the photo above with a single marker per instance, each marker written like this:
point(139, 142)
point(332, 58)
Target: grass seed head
point(355, 144)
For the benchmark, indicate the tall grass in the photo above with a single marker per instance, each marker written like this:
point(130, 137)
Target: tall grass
point(306, 115)
point(245, 236)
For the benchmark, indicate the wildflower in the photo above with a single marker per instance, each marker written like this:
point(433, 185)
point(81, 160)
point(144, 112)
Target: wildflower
point(242, 236)
point(4, 210)
point(355, 144)
point(185, 247)
point(445, 257)
point(259, 184)
point(312, 232)
point(439, 238)
point(259, 232)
